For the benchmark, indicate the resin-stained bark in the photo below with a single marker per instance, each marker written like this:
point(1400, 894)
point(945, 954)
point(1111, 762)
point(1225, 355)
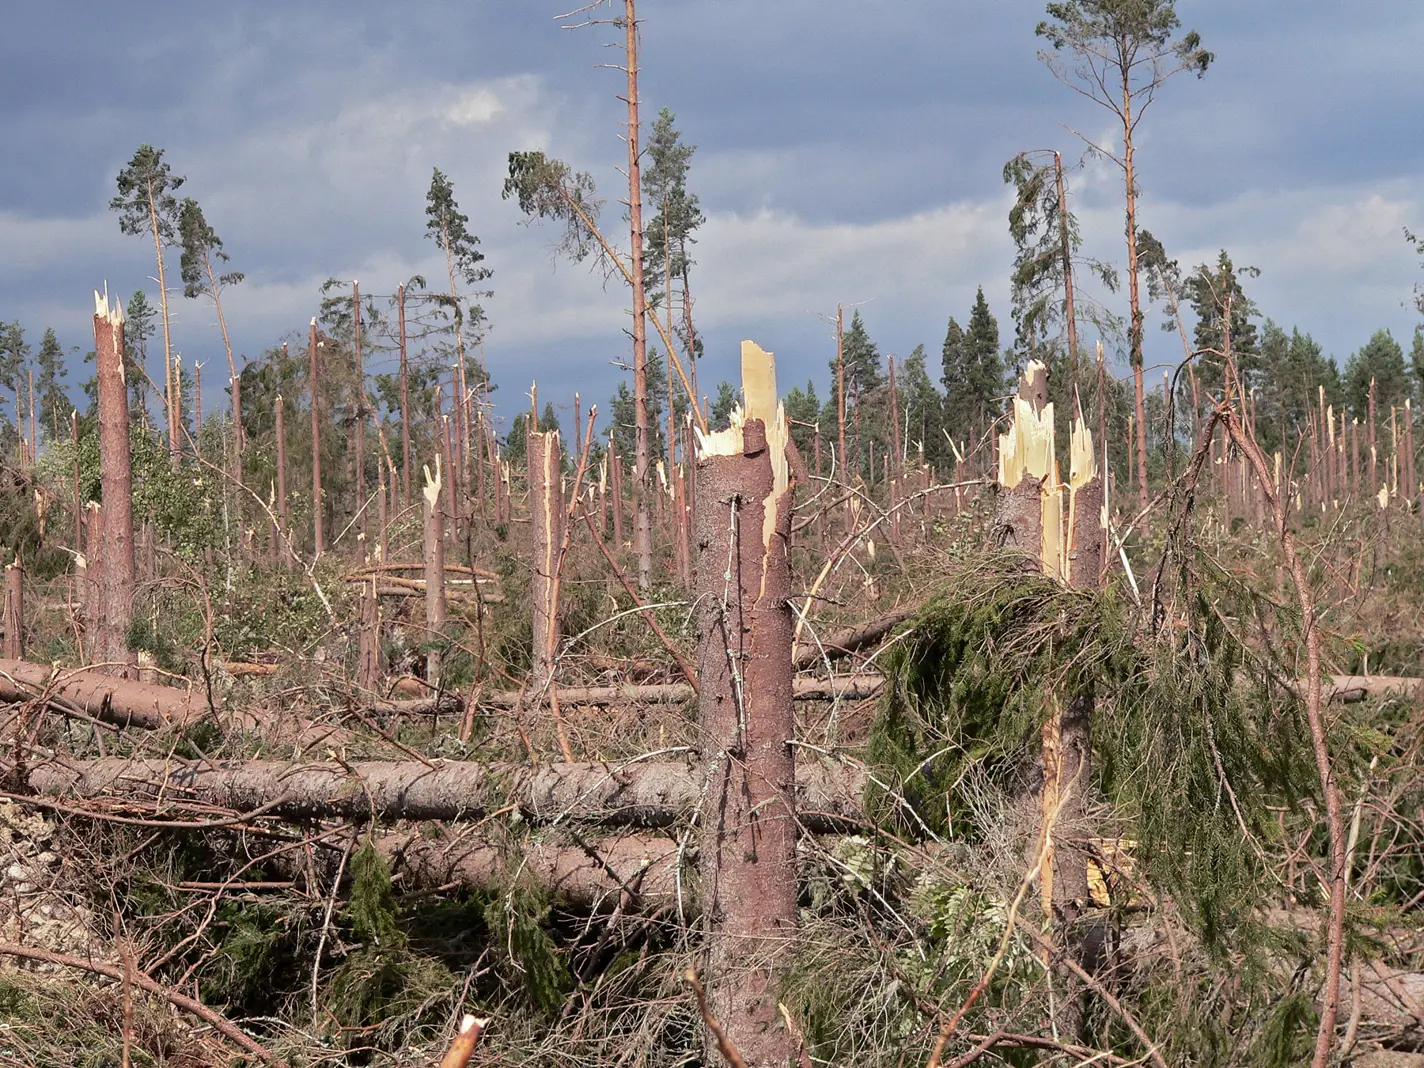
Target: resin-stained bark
point(745, 626)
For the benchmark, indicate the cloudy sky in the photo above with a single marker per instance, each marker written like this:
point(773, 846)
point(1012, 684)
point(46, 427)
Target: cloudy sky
point(847, 152)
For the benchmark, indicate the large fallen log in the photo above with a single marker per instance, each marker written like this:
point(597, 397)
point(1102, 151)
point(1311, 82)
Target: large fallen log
point(112, 700)
point(642, 870)
point(846, 642)
point(845, 687)
point(642, 794)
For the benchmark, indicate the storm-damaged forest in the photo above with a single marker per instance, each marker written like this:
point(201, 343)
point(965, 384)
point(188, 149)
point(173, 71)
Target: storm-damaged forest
point(1021, 700)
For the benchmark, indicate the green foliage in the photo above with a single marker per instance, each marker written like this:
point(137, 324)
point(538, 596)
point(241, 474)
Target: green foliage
point(1190, 749)
point(201, 246)
point(1215, 293)
point(517, 920)
point(547, 188)
point(145, 200)
point(677, 217)
point(722, 405)
point(969, 683)
point(972, 371)
point(1289, 1033)
point(1380, 361)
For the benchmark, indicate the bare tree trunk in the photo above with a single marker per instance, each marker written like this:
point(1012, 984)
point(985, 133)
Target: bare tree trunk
point(279, 548)
point(116, 481)
point(1134, 330)
point(78, 502)
point(404, 401)
point(14, 615)
point(358, 428)
point(546, 508)
point(745, 626)
point(170, 389)
point(643, 528)
point(94, 582)
point(1374, 443)
point(434, 571)
point(615, 470)
point(319, 540)
point(1070, 317)
point(894, 465)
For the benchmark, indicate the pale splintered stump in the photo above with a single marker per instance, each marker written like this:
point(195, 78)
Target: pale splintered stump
point(116, 489)
point(14, 615)
point(1028, 513)
point(745, 630)
point(434, 570)
point(546, 508)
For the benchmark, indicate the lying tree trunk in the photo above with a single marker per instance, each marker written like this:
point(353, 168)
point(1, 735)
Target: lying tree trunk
point(644, 794)
point(747, 855)
point(120, 701)
point(848, 687)
point(852, 640)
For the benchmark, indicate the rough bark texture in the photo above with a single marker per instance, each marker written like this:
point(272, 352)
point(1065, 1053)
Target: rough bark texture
point(116, 480)
point(112, 700)
point(546, 509)
point(643, 794)
point(747, 856)
point(847, 687)
point(368, 665)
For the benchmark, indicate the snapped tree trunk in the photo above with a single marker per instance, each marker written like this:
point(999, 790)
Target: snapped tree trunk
point(642, 450)
point(546, 508)
point(319, 541)
point(116, 488)
point(434, 572)
point(14, 615)
point(745, 626)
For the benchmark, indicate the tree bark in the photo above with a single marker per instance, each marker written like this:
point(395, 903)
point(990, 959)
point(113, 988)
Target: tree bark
point(116, 481)
point(747, 857)
point(644, 794)
point(642, 456)
point(546, 508)
point(358, 428)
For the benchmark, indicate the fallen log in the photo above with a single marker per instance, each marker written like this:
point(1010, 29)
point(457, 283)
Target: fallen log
point(846, 687)
point(123, 702)
point(843, 643)
point(642, 794)
point(642, 869)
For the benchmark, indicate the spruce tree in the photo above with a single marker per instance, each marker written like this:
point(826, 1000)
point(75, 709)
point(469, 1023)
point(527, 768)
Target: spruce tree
point(922, 409)
point(984, 363)
point(140, 324)
point(202, 248)
point(51, 397)
point(146, 204)
point(669, 233)
point(723, 403)
point(1211, 290)
point(1381, 359)
point(803, 411)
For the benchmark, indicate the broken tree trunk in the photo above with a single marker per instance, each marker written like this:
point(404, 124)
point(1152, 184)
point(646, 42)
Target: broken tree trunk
point(747, 858)
point(434, 572)
point(14, 615)
point(116, 592)
point(843, 687)
point(120, 701)
point(368, 665)
point(632, 794)
point(546, 509)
